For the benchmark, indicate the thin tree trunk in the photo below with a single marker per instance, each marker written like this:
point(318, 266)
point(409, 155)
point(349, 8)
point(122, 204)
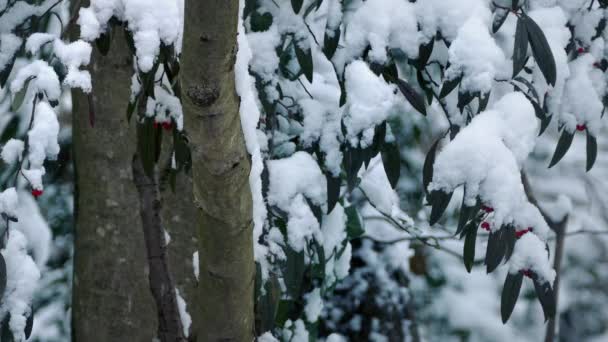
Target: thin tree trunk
point(111, 298)
point(560, 239)
point(221, 168)
point(170, 327)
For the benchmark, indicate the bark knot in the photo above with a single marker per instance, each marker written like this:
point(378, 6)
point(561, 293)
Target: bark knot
point(203, 95)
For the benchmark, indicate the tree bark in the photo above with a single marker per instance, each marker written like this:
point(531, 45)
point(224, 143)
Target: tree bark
point(111, 299)
point(221, 168)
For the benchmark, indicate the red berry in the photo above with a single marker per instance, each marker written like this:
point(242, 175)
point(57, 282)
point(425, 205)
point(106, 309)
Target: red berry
point(487, 209)
point(485, 226)
point(156, 124)
point(521, 233)
point(527, 273)
point(167, 125)
point(581, 128)
point(581, 50)
point(36, 193)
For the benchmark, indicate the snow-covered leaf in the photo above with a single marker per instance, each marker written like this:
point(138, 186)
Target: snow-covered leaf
point(520, 47)
point(354, 227)
point(541, 50)
point(412, 96)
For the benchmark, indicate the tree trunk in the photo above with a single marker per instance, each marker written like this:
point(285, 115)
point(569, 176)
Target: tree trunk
point(221, 168)
point(111, 296)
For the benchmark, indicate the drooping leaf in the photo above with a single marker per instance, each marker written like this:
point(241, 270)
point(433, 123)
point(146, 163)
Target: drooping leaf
point(6, 72)
point(20, 95)
point(260, 22)
point(333, 191)
point(466, 213)
point(591, 150)
point(563, 144)
point(304, 57)
point(500, 16)
point(468, 254)
point(510, 293)
point(448, 86)
point(496, 250)
point(544, 124)
point(412, 96)
point(439, 201)
point(464, 99)
point(29, 324)
point(427, 169)
point(354, 227)
point(330, 42)
point(484, 99)
point(297, 5)
point(424, 53)
point(6, 335)
point(541, 50)
point(294, 272)
point(391, 159)
point(546, 297)
point(520, 47)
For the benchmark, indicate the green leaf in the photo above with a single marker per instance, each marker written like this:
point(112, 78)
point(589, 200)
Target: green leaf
point(6, 72)
point(6, 335)
point(131, 107)
point(464, 99)
point(427, 169)
point(541, 50)
point(448, 86)
point(391, 159)
point(304, 57)
point(29, 324)
point(466, 213)
point(495, 251)
point(333, 191)
point(250, 6)
point(546, 297)
point(510, 293)
point(424, 53)
point(297, 5)
point(181, 146)
point(520, 47)
point(439, 201)
point(563, 144)
point(330, 42)
point(500, 16)
point(544, 124)
point(483, 101)
point(353, 160)
point(354, 227)
point(294, 272)
point(412, 96)
point(591, 150)
point(316, 210)
point(260, 22)
point(20, 95)
point(468, 254)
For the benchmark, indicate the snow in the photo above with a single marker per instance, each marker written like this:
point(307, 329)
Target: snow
point(183, 313)
point(12, 151)
point(398, 28)
point(314, 305)
point(9, 202)
point(195, 264)
point(152, 22)
point(479, 66)
point(22, 275)
point(370, 101)
point(43, 79)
